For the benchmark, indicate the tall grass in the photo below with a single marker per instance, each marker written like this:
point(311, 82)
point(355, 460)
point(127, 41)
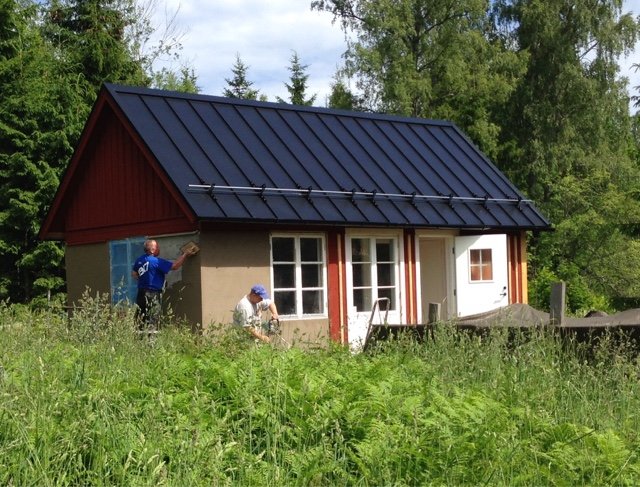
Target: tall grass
point(85, 401)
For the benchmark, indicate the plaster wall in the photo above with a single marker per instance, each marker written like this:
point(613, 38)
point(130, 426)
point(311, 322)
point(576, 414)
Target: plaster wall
point(231, 262)
point(87, 268)
point(182, 294)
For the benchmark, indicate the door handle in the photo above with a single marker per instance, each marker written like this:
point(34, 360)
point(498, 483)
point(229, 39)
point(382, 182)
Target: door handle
point(504, 292)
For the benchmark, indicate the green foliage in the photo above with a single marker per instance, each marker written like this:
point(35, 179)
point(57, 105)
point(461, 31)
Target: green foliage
point(636, 98)
point(540, 287)
point(239, 86)
point(185, 81)
point(89, 37)
point(39, 117)
point(567, 141)
point(429, 59)
point(580, 298)
point(83, 401)
point(572, 63)
point(54, 56)
point(534, 83)
point(298, 87)
point(592, 240)
point(341, 97)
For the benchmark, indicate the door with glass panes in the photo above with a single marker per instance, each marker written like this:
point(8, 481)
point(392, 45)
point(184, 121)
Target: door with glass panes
point(373, 272)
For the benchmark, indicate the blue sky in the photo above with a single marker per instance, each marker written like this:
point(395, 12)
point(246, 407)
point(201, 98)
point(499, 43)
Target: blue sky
point(265, 33)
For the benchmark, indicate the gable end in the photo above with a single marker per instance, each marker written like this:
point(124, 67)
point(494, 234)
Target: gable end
point(114, 189)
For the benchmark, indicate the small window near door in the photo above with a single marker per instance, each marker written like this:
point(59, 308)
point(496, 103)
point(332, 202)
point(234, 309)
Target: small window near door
point(480, 265)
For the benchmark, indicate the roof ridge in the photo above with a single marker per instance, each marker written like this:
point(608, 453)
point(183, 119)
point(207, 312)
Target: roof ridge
point(115, 88)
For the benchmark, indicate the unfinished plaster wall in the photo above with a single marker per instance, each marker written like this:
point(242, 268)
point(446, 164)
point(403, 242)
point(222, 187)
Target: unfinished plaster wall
point(182, 296)
point(87, 268)
point(234, 260)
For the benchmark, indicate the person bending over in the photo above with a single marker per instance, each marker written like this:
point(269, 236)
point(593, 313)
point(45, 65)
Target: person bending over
point(248, 311)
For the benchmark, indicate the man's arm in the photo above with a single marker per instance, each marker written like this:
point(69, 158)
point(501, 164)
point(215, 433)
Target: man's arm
point(257, 334)
point(274, 310)
point(179, 261)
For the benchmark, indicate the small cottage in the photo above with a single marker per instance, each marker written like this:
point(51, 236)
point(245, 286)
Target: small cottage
point(331, 210)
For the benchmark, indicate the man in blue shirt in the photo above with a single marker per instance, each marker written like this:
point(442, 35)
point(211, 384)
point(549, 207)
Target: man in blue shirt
point(150, 271)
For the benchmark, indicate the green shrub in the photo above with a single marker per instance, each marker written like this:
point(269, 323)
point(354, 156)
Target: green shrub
point(86, 401)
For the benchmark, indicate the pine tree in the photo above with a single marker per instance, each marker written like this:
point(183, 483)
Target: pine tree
point(53, 59)
point(90, 38)
point(298, 87)
point(239, 86)
point(38, 115)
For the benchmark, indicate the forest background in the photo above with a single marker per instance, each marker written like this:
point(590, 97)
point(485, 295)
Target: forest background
point(536, 84)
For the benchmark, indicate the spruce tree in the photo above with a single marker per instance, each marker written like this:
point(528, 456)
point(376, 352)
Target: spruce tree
point(239, 86)
point(298, 87)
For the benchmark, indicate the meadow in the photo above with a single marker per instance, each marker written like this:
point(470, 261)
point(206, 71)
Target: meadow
point(84, 401)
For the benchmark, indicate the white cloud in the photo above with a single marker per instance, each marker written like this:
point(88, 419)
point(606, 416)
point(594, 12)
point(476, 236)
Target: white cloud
point(265, 33)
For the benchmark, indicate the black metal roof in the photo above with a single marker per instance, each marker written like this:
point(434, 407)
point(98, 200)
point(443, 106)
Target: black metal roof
point(239, 160)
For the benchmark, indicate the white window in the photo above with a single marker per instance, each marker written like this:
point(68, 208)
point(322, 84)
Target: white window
point(122, 254)
point(374, 267)
point(299, 275)
point(480, 265)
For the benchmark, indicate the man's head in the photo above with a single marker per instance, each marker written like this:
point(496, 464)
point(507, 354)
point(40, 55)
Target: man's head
point(258, 293)
point(151, 247)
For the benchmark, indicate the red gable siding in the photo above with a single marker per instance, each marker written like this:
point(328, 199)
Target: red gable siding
point(117, 192)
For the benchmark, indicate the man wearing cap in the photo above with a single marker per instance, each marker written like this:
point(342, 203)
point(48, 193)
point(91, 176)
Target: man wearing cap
point(249, 310)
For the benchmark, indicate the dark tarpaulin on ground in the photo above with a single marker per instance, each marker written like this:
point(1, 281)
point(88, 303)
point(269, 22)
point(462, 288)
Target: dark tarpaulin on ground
point(513, 316)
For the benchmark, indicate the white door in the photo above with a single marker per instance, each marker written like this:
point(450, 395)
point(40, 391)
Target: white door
point(481, 273)
point(373, 272)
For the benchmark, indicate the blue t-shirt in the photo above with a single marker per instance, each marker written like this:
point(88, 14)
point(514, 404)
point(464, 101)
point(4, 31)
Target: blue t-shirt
point(151, 271)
